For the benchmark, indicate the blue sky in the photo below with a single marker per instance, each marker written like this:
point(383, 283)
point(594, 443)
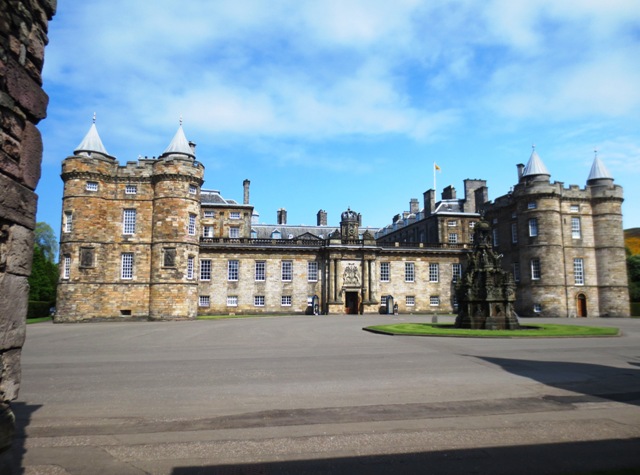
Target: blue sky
point(329, 104)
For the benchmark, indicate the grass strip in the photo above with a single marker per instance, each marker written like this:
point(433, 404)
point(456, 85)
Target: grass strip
point(38, 320)
point(542, 330)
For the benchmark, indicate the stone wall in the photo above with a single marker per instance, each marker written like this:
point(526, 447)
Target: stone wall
point(23, 103)
point(599, 243)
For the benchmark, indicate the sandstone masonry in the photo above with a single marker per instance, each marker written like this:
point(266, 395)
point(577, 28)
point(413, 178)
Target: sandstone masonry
point(146, 241)
point(23, 103)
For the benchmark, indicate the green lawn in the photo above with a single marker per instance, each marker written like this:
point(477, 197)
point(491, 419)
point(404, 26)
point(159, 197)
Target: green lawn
point(38, 320)
point(546, 330)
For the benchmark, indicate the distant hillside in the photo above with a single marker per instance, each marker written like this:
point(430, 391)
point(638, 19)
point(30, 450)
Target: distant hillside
point(632, 240)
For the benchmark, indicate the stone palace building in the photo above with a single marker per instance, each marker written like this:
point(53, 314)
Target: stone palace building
point(144, 240)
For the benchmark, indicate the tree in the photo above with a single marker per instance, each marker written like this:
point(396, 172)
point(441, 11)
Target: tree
point(44, 272)
point(633, 269)
point(46, 240)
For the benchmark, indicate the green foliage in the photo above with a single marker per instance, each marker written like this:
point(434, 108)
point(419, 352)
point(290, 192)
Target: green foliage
point(633, 269)
point(44, 277)
point(46, 240)
point(38, 309)
point(635, 309)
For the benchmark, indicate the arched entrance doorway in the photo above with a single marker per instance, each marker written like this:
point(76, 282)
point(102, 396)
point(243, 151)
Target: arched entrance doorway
point(581, 305)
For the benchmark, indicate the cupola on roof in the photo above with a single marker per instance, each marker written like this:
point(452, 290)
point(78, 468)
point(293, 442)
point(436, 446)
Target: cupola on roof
point(179, 145)
point(598, 170)
point(91, 142)
point(535, 166)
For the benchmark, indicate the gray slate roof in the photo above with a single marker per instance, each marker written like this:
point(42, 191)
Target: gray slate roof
point(535, 166)
point(599, 171)
point(213, 197)
point(179, 145)
point(91, 143)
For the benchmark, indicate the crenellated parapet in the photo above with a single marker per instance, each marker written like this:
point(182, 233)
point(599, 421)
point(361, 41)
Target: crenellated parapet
point(129, 232)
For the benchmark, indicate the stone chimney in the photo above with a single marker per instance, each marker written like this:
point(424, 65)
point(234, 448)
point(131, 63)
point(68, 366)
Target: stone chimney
point(449, 193)
point(481, 196)
point(282, 216)
point(520, 167)
point(414, 206)
point(245, 185)
point(322, 218)
point(470, 187)
point(429, 202)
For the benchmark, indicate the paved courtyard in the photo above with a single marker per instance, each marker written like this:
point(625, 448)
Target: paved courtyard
point(319, 395)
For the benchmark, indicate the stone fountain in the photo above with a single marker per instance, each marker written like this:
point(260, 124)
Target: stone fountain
point(486, 293)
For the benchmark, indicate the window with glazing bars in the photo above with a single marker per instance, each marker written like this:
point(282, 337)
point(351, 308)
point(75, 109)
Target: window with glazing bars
point(260, 271)
point(409, 272)
point(575, 228)
point(129, 221)
point(126, 265)
point(578, 271)
point(535, 269)
point(232, 270)
point(312, 271)
point(190, 261)
point(434, 272)
point(533, 227)
point(384, 271)
point(191, 227)
point(287, 271)
point(66, 267)
point(456, 271)
point(205, 269)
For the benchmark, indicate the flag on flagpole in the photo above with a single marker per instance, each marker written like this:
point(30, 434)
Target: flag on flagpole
point(435, 165)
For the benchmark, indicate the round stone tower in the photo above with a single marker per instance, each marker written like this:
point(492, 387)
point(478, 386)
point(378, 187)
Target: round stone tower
point(177, 178)
point(611, 270)
point(86, 237)
point(541, 257)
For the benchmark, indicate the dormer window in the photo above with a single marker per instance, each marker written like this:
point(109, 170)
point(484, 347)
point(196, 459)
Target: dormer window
point(276, 235)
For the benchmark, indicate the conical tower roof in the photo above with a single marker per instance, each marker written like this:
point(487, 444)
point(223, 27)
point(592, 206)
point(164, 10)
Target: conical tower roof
point(599, 171)
point(535, 166)
point(91, 143)
point(179, 145)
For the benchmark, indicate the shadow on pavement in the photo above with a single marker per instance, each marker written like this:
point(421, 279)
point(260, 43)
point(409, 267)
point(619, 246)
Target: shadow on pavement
point(547, 459)
point(594, 381)
point(23, 413)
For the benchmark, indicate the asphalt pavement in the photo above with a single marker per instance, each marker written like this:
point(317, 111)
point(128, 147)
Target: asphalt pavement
point(317, 394)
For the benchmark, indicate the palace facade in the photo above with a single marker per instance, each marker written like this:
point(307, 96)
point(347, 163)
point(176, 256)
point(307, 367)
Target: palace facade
point(144, 240)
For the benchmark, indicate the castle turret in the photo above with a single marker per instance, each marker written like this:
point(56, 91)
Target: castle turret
point(91, 144)
point(535, 169)
point(105, 235)
point(177, 179)
point(608, 235)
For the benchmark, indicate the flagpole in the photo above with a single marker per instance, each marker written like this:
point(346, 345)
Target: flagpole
point(434, 177)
